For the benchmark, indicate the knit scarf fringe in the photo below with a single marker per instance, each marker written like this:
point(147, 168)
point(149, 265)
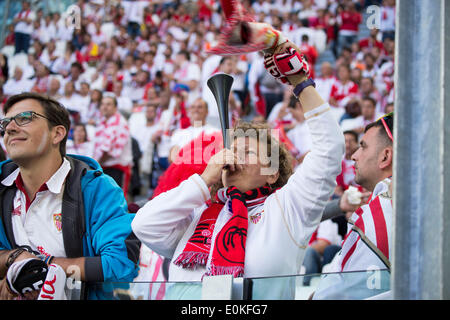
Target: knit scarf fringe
point(236, 271)
point(191, 259)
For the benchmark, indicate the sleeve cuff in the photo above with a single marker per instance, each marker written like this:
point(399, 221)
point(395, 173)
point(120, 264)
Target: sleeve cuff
point(202, 186)
point(93, 271)
point(317, 111)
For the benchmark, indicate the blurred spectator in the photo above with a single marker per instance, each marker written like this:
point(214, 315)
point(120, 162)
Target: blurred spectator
point(80, 144)
point(113, 143)
point(325, 81)
point(134, 15)
point(342, 90)
point(124, 102)
point(310, 52)
point(323, 246)
point(72, 101)
point(23, 27)
point(42, 78)
point(54, 88)
point(368, 43)
point(198, 112)
point(17, 83)
point(299, 135)
point(187, 73)
point(10, 38)
point(143, 127)
point(349, 20)
point(263, 87)
point(368, 115)
point(367, 89)
point(347, 176)
point(388, 19)
point(4, 69)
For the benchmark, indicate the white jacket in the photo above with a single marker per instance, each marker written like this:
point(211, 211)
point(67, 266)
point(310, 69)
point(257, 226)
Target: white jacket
point(278, 230)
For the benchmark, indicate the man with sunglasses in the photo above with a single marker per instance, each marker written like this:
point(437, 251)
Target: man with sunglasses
point(61, 209)
point(368, 243)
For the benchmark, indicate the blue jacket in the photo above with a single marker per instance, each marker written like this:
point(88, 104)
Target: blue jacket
point(95, 222)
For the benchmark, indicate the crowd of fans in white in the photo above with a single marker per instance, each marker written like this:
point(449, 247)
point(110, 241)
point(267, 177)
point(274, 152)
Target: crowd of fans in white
point(138, 69)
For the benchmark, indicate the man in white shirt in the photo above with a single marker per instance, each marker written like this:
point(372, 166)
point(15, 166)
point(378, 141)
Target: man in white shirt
point(188, 73)
point(299, 135)
point(369, 240)
point(17, 83)
point(23, 27)
point(49, 200)
point(134, 12)
point(72, 101)
point(198, 112)
point(112, 147)
point(368, 115)
point(326, 80)
point(124, 102)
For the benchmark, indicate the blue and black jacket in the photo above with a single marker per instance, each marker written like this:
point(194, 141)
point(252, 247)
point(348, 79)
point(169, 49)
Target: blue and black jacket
point(95, 222)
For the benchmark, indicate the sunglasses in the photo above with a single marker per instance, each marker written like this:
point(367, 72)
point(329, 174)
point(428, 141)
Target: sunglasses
point(383, 121)
point(20, 119)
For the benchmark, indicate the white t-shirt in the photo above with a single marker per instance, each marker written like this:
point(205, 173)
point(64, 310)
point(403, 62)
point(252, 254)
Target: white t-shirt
point(22, 26)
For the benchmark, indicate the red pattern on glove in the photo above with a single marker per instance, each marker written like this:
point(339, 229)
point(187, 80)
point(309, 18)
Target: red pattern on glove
point(285, 64)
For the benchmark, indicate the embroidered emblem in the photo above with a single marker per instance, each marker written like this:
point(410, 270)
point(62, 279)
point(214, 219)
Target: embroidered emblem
point(256, 217)
point(57, 221)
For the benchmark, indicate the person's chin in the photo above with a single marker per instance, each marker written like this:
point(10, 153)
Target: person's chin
point(231, 179)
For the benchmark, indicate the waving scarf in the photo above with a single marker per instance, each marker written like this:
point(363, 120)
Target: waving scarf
point(228, 254)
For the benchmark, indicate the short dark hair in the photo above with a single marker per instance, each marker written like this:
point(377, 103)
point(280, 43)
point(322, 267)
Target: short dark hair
point(54, 111)
point(352, 133)
point(389, 120)
point(372, 100)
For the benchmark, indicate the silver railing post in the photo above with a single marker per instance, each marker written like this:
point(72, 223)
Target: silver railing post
point(421, 259)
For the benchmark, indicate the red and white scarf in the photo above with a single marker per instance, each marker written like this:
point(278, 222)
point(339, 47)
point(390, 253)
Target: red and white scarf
point(228, 254)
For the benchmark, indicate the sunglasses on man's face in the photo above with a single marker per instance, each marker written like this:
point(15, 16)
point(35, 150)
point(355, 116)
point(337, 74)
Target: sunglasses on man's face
point(386, 127)
point(20, 119)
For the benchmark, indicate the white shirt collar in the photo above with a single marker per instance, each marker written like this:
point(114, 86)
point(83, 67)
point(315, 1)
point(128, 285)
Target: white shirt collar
point(54, 184)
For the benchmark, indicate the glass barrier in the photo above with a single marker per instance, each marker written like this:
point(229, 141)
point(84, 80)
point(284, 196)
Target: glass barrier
point(371, 284)
point(143, 291)
point(335, 286)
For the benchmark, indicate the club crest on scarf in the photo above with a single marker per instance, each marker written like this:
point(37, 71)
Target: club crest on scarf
point(232, 242)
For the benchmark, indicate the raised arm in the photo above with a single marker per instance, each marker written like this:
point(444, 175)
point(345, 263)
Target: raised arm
point(304, 197)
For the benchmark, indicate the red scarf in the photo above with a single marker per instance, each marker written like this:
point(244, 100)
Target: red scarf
point(228, 254)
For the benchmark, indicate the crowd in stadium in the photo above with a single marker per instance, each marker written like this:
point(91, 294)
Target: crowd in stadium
point(133, 76)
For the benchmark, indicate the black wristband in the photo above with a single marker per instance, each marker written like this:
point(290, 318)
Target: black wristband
point(13, 256)
point(302, 85)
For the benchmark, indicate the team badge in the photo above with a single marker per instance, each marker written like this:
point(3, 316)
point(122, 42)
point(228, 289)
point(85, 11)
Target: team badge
point(256, 217)
point(57, 221)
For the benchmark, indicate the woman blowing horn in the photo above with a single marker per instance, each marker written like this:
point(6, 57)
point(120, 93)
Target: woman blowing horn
point(259, 223)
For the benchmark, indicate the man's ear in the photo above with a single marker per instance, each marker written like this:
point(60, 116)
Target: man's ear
point(386, 157)
point(59, 132)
